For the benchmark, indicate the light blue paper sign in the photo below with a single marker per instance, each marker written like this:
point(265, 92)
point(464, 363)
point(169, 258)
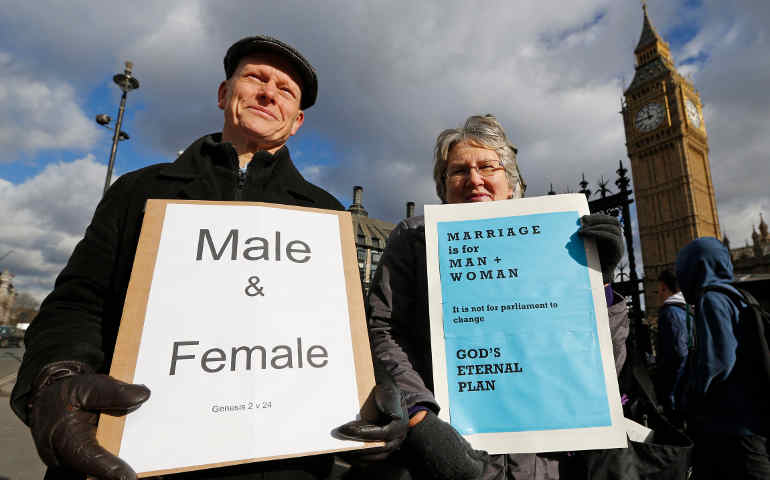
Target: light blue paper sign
point(522, 349)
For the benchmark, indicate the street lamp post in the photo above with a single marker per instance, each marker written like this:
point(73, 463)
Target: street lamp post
point(126, 82)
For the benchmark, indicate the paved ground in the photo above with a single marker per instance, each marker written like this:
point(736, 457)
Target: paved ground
point(18, 458)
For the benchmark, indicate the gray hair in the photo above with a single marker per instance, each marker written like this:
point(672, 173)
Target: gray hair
point(484, 131)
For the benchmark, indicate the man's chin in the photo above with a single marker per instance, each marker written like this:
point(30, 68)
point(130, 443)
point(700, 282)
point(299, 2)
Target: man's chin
point(260, 131)
point(259, 124)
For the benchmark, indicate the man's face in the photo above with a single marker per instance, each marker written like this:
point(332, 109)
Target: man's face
point(475, 174)
point(261, 102)
point(663, 292)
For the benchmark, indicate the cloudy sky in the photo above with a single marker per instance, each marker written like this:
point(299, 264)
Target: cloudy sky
point(392, 76)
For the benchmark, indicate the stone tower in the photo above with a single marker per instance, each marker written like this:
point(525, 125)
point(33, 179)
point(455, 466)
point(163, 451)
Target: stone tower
point(668, 147)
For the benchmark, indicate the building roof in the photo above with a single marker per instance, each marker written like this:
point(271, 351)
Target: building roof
point(369, 232)
point(652, 55)
point(649, 34)
point(372, 231)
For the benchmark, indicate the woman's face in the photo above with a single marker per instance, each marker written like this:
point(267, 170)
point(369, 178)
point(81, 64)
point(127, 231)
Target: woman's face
point(475, 174)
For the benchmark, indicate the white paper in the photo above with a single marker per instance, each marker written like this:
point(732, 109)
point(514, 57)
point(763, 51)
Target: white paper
point(194, 417)
point(637, 432)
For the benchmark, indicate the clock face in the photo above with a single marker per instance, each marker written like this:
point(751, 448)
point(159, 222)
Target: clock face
point(649, 117)
point(692, 113)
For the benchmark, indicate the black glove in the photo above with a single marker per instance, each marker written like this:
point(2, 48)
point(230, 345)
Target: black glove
point(391, 426)
point(438, 449)
point(63, 413)
point(609, 241)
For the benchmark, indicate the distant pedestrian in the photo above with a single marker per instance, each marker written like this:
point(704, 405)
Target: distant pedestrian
point(673, 336)
point(729, 413)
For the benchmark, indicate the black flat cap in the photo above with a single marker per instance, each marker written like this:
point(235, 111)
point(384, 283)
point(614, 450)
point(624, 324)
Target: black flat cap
point(263, 44)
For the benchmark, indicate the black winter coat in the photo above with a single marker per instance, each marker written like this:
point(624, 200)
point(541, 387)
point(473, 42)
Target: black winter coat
point(79, 320)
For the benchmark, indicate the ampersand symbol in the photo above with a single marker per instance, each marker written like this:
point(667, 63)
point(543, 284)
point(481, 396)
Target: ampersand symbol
point(252, 289)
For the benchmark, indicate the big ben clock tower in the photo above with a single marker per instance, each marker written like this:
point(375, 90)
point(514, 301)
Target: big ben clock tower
point(668, 148)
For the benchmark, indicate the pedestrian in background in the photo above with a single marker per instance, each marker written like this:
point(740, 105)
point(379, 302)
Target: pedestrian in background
point(728, 409)
point(673, 336)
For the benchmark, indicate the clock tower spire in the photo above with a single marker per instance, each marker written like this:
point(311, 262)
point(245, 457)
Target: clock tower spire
point(667, 144)
point(651, 45)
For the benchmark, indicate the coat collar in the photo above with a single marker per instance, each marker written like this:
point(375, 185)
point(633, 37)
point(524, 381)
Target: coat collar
point(198, 158)
point(209, 153)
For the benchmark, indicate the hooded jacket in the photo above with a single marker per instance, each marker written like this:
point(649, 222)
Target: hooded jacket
point(724, 396)
point(672, 348)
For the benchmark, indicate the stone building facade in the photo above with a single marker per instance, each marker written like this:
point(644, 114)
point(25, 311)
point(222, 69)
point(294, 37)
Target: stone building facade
point(371, 237)
point(755, 258)
point(667, 144)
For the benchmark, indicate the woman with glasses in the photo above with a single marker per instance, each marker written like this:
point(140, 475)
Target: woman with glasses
point(473, 163)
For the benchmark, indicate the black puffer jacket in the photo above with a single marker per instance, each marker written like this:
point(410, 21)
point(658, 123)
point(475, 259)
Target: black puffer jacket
point(79, 320)
point(399, 329)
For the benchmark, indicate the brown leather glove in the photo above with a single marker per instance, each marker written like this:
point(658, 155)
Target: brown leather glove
point(66, 401)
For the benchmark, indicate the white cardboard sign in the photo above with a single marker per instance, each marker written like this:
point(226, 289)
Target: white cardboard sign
point(246, 322)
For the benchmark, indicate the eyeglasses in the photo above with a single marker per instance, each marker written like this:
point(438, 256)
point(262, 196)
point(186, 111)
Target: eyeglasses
point(461, 172)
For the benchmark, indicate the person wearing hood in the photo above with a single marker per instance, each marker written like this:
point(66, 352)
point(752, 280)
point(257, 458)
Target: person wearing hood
point(729, 417)
point(672, 340)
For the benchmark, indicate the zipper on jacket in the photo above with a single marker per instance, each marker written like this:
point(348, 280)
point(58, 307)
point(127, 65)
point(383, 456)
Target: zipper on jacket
point(240, 184)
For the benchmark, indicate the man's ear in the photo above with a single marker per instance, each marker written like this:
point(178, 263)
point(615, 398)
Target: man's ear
point(298, 122)
point(222, 95)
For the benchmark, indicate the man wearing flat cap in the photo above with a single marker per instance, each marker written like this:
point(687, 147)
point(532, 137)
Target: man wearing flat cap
point(62, 384)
